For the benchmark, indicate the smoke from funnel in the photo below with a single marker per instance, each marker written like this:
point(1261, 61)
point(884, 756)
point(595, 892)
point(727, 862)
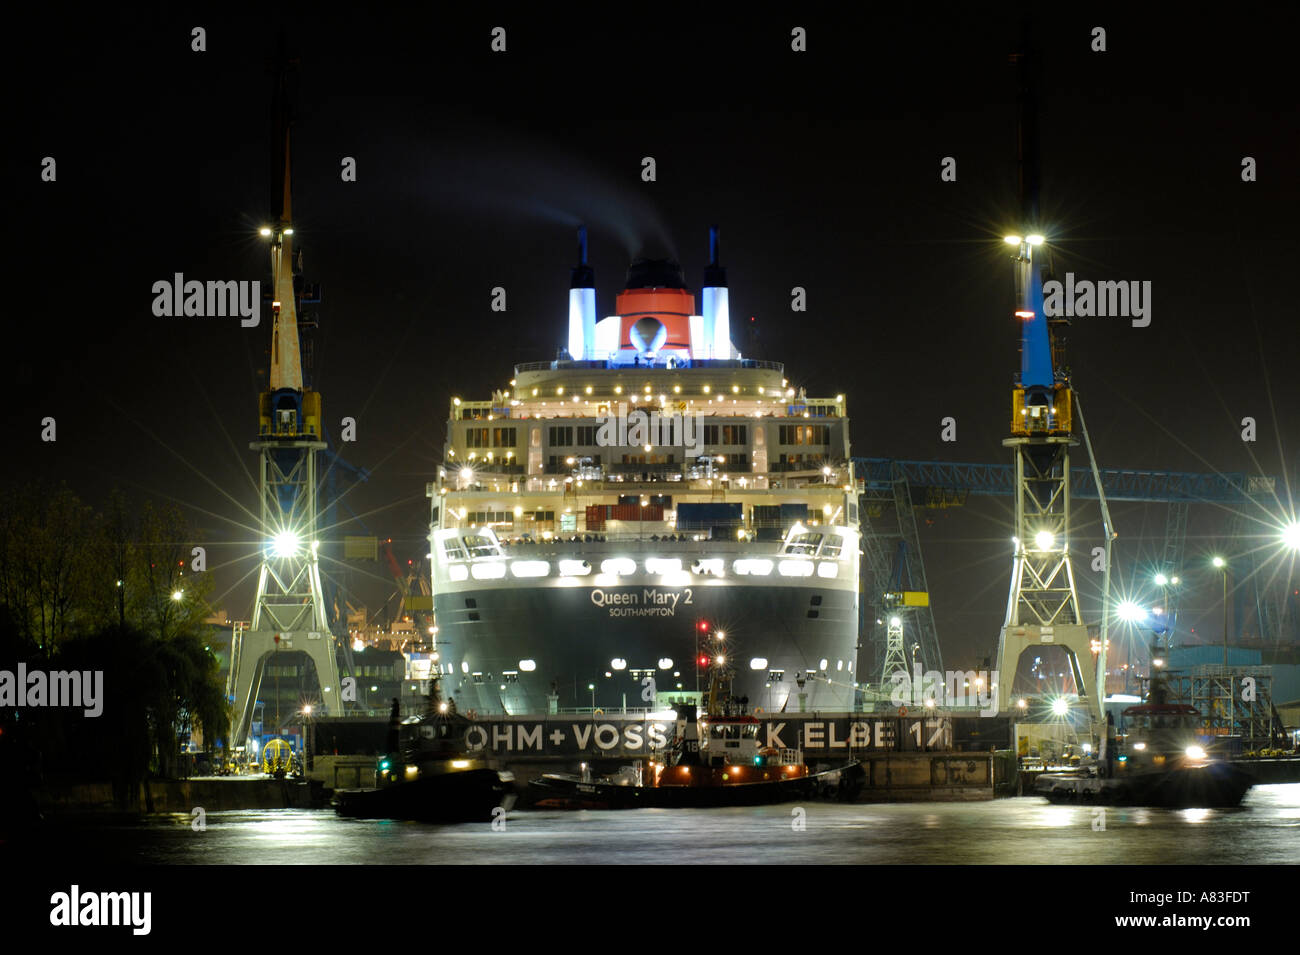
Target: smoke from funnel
point(532, 181)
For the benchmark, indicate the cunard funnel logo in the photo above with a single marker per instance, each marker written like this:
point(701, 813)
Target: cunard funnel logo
point(620, 429)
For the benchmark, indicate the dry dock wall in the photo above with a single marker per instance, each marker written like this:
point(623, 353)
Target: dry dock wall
point(910, 758)
point(823, 737)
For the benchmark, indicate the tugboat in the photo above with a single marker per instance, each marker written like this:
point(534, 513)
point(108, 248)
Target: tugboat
point(1160, 762)
point(717, 761)
point(427, 775)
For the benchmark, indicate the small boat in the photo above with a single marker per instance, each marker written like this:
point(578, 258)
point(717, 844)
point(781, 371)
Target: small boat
point(428, 776)
point(1160, 762)
point(717, 760)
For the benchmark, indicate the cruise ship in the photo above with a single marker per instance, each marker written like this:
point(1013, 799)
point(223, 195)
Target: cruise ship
point(602, 514)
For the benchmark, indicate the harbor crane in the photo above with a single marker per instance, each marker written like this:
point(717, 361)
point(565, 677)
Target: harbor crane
point(289, 612)
point(1046, 425)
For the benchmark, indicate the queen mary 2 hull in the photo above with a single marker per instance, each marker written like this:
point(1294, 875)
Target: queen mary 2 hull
point(533, 644)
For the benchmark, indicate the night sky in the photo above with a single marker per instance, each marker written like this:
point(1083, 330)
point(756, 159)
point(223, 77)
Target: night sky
point(821, 169)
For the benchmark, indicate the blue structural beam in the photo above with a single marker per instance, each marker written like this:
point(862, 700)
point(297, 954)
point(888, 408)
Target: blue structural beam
point(999, 479)
point(1036, 372)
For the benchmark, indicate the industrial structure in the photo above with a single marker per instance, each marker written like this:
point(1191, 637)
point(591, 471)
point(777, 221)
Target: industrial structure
point(290, 609)
point(1046, 423)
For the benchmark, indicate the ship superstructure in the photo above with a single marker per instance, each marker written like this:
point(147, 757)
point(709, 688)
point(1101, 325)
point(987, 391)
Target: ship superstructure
point(602, 511)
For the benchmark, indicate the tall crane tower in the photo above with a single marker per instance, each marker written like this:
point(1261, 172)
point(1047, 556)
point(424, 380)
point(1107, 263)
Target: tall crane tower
point(289, 612)
point(1043, 603)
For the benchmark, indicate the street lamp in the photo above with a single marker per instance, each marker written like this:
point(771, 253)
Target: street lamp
point(1164, 582)
point(1291, 535)
point(1222, 564)
point(592, 688)
point(306, 739)
point(1130, 611)
point(285, 544)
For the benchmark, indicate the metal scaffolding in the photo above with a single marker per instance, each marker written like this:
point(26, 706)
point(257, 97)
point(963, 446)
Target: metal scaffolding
point(1233, 701)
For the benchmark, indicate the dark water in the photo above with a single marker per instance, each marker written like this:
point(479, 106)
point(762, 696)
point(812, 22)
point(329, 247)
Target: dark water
point(1264, 830)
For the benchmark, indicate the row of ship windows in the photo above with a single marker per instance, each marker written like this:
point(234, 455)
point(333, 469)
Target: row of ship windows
point(586, 435)
point(507, 517)
point(626, 567)
point(505, 411)
point(562, 436)
point(491, 437)
point(560, 464)
point(619, 664)
point(738, 462)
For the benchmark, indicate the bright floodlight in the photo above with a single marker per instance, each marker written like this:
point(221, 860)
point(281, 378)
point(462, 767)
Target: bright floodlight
point(1011, 239)
point(1291, 535)
point(177, 595)
point(1220, 562)
point(1130, 611)
point(1060, 706)
point(1161, 580)
point(265, 230)
point(466, 473)
point(306, 710)
point(285, 544)
point(1035, 239)
point(1044, 540)
point(895, 621)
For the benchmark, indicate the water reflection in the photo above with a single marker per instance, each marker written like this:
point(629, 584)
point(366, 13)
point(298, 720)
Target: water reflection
point(1022, 830)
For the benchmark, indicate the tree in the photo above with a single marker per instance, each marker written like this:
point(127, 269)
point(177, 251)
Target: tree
point(85, 592)
point(45, 562)
point(163, 545)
